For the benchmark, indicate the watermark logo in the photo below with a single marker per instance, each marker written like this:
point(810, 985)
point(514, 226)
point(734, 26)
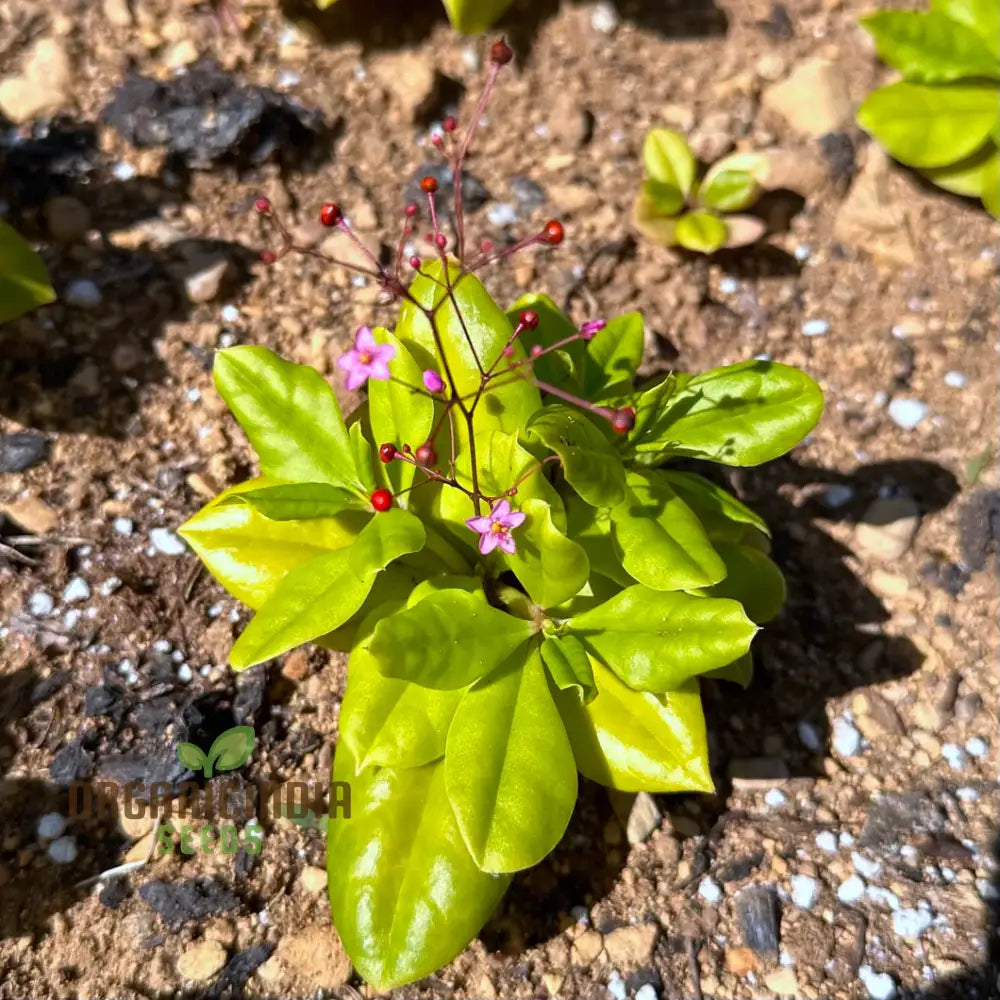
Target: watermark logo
point(230, 750)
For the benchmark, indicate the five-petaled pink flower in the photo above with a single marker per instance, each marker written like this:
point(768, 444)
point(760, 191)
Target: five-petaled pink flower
point(495, 528)
point(367, 359)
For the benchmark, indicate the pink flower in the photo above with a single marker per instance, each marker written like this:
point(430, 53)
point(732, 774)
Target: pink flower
point(367, 359)
point(495, 528)
point(432, 381)
point(591, 327)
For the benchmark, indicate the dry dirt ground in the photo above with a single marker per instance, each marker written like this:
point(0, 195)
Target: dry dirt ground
point(847, 853)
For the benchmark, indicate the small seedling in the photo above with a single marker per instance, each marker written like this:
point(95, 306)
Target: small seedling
point(24, 281)
point(676, 209)
point(527, 590)
point(471, 17)
point(943, 117)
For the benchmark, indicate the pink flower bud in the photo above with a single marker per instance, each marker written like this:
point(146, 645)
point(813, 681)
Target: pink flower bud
point(432, 381)
point(592, 327)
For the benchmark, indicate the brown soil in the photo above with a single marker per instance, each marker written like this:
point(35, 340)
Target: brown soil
point(906, 648)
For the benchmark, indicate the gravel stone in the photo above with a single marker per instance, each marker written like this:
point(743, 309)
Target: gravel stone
point(852, 890)
point(22, 450)
point(846, 739)
point(165, 541)
point(76, 590)
point(880, 985)
point(63, 850)
point(908, 413)
point(805, 891)
point(51, 826)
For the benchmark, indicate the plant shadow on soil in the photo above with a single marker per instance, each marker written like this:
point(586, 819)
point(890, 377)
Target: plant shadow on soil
point(401, 23)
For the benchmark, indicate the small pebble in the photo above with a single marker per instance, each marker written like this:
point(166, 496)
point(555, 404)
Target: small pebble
point(63, 850)
point(775, 798)
point(50, 826)
point(604, 18)
point(846, 739)
point(956, 380)
point(123, 171)
point(908, 413)
point(502, 215)
point(123, 525)
point(880, 985)
point(709, 890)
point(646, 992)
point(802, 252)
point(193, 395)
point(810, 736)
point(288, 78)
point(865, 866)
point(846, 839)
point(910, 923)
point(851, 890)
point(955, 756)
point(966, 794)
point(41, 603)
point(838, 495)
point(827, 841)
point(728, 286)
point(805, 891)
point(816, 328)
point(184, 673)
point(976, 747)
point(987, 890)
point(165, 541)
point(109, 586)
point(616, 986)
point(76, 590)
point(581, 915)
point(877, 894)
point(230, 314)
point(82, 294)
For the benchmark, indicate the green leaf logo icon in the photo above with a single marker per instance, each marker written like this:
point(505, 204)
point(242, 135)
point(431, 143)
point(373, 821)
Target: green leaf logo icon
point(230, 750)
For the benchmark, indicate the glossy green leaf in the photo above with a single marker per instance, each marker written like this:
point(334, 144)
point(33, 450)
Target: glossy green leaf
point(668, 159)
point(509, 768)
point(250, 554)
point(702, 232)
point(991, 187)
point(364, 457)
point(562, 367)
point(473, 17)
point(729, 191)
point(290, 415)
point(390, 591)
point(589, 463)
point(299, 501)
point(24, 280)
point(400, 409)
point(613, 355)
point(405, 894)
point(930, 126)
point(638, 742)
point(742, 414)
point(318, 596)
point(980, 15)
point(655, 640)
point(966, 177)
point(447, 640)
point(392, 723)
point(738, 672)
point(757, 165)
point(753, 579)
point(723, 516)
point(930, 47)
point(662, 543)
point(569, 666)
point(590, 527)
point(663, 198)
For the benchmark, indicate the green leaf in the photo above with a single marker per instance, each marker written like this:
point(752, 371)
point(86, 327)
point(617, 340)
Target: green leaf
point(509, 768)
point(738, 672)
point(24, 280)
point(589, 463)
point(925, 126)
point(613, 355)
point(405, 894)
point(980, 15)
point(230, 750)
point(663, 198)
point(752, 579)
point(363, 457)
point(473, 17)
point(392, 723)
point(742, 414)
point(729, 191)
point(638, 742)
point(651, 222)
point(756, 165)
point(560, 368)
point(668, 159)
point(298, 501)
point(702, 232)
point(930, 47)
point(447, 640)
point(400, 410)
point(320, 595)
point(191, 756)
point(723, 516)
point(966, 177)
point(656, 640)
point(550, 566)
point(290, 415)
point(250, 554)
point(569, 665)
point(991, 187)
point(662, 542)
point(590, 527)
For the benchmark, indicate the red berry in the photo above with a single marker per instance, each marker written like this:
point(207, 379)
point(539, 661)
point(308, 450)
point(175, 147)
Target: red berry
point(262, 206)
point(415, 262)
point(501, 53)
point(426, 455)
point(428, 184)
point(528, 319)
point(437, 140)
point(441, 241)
point(553, 232)
point(268, 256)
point(381, 500)
point(411, 210)
point(330, 214)
point(449, 124)
point(387, 452)
point(623, 420)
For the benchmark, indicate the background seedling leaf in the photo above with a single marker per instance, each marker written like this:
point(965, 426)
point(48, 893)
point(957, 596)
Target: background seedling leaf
point(702, 232)
point(24, 280)
point(668, 159)
point(663, 198)
point(191, 756)
point(729, 191)
point(230, 750)
point(472, 17)
point(651, 222)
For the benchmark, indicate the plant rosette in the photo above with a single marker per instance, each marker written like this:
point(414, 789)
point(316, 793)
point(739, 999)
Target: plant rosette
point(527, 590)
point(943, 117)
point(674, 208)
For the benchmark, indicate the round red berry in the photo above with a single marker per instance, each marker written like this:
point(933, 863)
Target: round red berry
point(330, 214)
point(623, 420)
point(268, 256)
point(381, 500)
point(500, 52)
point(411, 210)
point(529, 319)
point(262, 206)
point(415, 262)
point(387, 452)
point(428, 184)
point(449, 124)
point(426, 455)
point(553, 233)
